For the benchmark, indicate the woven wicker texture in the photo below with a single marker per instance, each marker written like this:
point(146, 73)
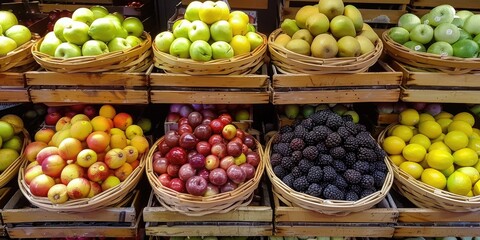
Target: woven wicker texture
point(329, 207)
point(426, 196)
point(238, 65)
point(11, 171)
point(447, 64)
point(291, 62)
point(190, 205)
point(136, 59)
point(19, 57)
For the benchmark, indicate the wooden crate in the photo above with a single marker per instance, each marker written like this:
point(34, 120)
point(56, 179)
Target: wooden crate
point(252, 220)
point(5, 195)
point(25, 221)
point(226, 89)
point(427, 85)
point(381, 84)
point(13, 88)
point(240, 4)
point(375, 222)
point(94, 88)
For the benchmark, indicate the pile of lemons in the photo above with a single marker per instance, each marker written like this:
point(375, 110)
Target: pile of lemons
point(441, 151)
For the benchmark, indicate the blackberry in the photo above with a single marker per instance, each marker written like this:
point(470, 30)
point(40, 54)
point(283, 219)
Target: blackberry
point(366, 140)
point(315, 174)
point(287, 137)
point(288, 180)
point(360, 127)
point(337, 152)
point(285, 129)
point(378, 166)
point(350, 126)
point(351, 196)
point(276, 139)
point(366, 154)
point(340, 183)
point(332, 192)
point(378, 178)
point(367, 192)
point(280, 172)
point(356, 188)
point(296, 172)
point(350, 144)
point(352, 176)
point(320, 117)
point(350, 159)
point(307, 123)
point(347, 118)
point(300, 184)
point(287, 163)
point(343, 132)
point(324, 160)
point(297, 144)
point(339, 166)
point(283, 149)
point(314, 190)
point(333, 140)
point(322, 149)
point(310, 152)
point(367, 181)
point(361, 167)
point(297, 156)
point(329, 174)
point(275, 159)
point(334, 121)
point(312, 138)
point(300, 132)
point(304, 165)
point(381, 154)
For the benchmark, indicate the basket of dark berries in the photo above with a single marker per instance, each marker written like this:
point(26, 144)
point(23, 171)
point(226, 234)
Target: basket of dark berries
point(328, 164)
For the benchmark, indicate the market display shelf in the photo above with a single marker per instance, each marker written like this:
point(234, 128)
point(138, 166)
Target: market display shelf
point(25, 221)
point(227, 89)
point(12, 87)
point(381, 84)
point(94, 88)
point(252, 220)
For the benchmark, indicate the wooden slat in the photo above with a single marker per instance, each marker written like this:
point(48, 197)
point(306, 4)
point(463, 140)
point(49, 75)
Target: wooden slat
point(208, 97)
point(14, 95)
point(127, 80)
point(423, 215)
point(71, 231)
point(336, 96)
point(94, 96)
point(337, 80)
point(436, 231)
point(81, 1)
point(214, 230)
point(241, 4)
point(12, 79)
point(295, 214)
point(235, 81)
point(458, 4)
point(243, 214)
point(440, 96)
point(335, 231)
point(387, 118)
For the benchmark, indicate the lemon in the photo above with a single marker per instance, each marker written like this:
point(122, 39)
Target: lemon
point(403, 132)
point(421, 139)
point(475, 135)
point(439, 159)
point(460, 126)
point(470, 193)
point(474, 144)
point(389, 132)
point(471, 172)
point(465, 157)
point(476, 130)
point(409, 117)
point(414, 152)
point(439, 145)
point(397, 159)
point(476, 189)
point(443, 114)
point(477, 166)
point(439, 139)
point(430, 128)
point(444, 122)
point(447, 172)
point(459, 183)
point(456, 140)
point(425, 117)
point(412, 168)
point(465, 116)
point(434, 178)
point(393, 145)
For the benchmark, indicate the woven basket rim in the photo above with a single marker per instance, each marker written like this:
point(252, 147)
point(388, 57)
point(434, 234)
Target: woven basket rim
point(12, 170)
point(20, 56)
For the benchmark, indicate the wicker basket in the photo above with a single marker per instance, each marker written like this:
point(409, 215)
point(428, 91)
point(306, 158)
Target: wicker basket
point(136, 59)
point(426, 196)
point(19, 57)
point(190, 205)
point(291, 62)
point(112, 197)
point(447, 64)
point(11, 171)
point(329, 207)
point(247, 63)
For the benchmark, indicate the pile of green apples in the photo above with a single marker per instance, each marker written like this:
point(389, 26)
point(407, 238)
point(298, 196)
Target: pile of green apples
point(442, 31)
point(90, 32)
point(209, 31)
point(12, 35)
point(327, 30)
point(11, 139)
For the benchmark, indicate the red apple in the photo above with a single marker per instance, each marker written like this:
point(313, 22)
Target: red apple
point(236, 139)
point(171, 138)
point(212, 162)
point(249, 141)
point(229, 131)
point(163, 148)
point(164, 179)
point(194, 119)
point(185, 110)
point(240, 134)
point(122, 120)
point(186, 171)
point(52, 118)
point(184, 128)
point(60, 124)
point(226, 162)
point(45, 152)
point(203, 173)
point(78, 188)
point(203, 132)
point(53, 166)
point(245, 149)
point(98, 141)
point(115, 158)
point(177, 156)
point(70, 114)
point(218, 176)
point(236, 174)
point(32, 150)
point(160, 165)
point(216, 138)
point(51, 109)
point(217, 126)
point(90, 111)
point(203, 148)
point(253, 158)
point(78, 108)
point(40, 185)
point(207, 121)
point(187, 141)
point(249, 170)
point(196, 186)
point(177, 184)
point(234, 149)
point(197, 161)
point(123, 171)
point(172, 170)
point(69, 148)
point(172, 117)
point(211, 190)
point(181, 121)
point(208, 114)
point(71, 171)
point(219, 150)
point(98, 172)
point(191, 153)
point(95, 189)
point(225, 118)
point(229, 186)
point(31, 173)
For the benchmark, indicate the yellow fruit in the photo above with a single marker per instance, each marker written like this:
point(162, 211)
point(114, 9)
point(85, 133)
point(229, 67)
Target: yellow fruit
point(460, 126)
point(424, 164)
point(447, 172)
point(403, 132)
point(439, 159)
point(476, 130)
point(459, 183)
point(476, 189)
point(439, 145)
point(471, 172)
point(434, 178)
point(240, 45)
point(477, 166)
point(421, 139)
point(397, 159)
point(412, 168)
point(439, 139)
point(470, 194)
point(431, 129)
point(240, 14)
point(389, 132)
point(465, 116)
point(107, 111)
point(444, 122)
point(443, 115)
point(465, 157)
point(425, 117)
point(238, 25)
point(409, 117)
point(393, 145)
point(456, 140)
point(414, 152)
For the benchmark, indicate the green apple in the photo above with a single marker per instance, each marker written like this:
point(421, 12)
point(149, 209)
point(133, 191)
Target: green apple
point(76, 32)
point(255, 40)
point(84, 15)
point(119, 30)
point(6, 45)
point(464, 34)
point(221, 31)
point(94, 47)
point(317, 23)
point(422, 33)
point(145, 124)
point(251, 28)
point(115, 18)
point(348, 46)
point(7, 19)
point(472, 24)
point(102, 29)
point(441, 48)
point(457, 21)
point(116, 15)
point(99, 11)
point(324, 46)
point(1, 30)
point(355, 15)
point(416, 46)
point(399, 35)
point(355, 117)
point(424, 18)
point(163, 41)
point(464, 14)
point(133, 40)
point(465, 48)
point(68, 50)
point(198, 31)
point(191, 12)
point(133, 26)
point(408, 21)
point(365, 45)
point(60, 25)
point(118, 44)
point(221, 50)
point(200, 50)
point(182, 29)
point(446, 32)
point(477, 39)
point(342, 26)
point(19, 33)
point(210, 12)
point(180, 47)
point(441, 14)
point(49, 44)
point(289, 26)
point(331, 8)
